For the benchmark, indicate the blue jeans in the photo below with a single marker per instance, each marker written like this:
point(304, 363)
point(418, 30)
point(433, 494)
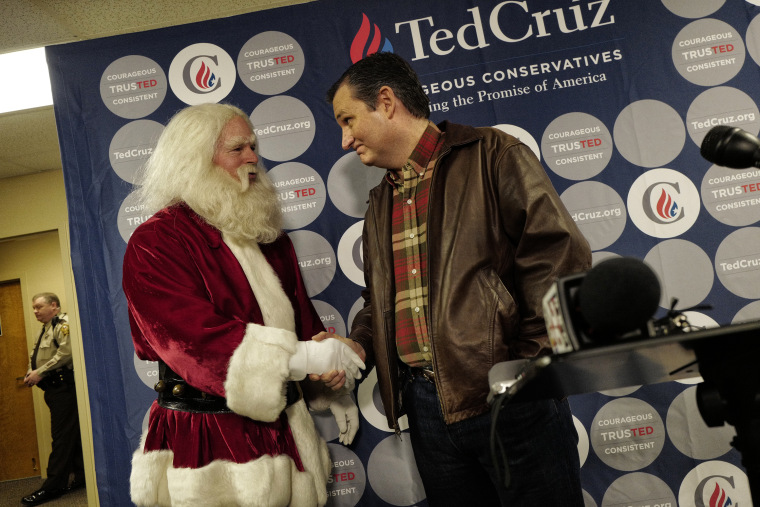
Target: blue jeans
point(455, 464)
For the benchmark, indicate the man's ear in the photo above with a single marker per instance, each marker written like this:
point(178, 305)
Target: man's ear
point(386, 101)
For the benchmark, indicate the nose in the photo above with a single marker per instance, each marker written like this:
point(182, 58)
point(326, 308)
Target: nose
point(251, 156)
point(348, 140)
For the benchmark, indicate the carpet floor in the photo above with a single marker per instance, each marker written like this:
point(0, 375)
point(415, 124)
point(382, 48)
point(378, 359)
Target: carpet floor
point(11, 493)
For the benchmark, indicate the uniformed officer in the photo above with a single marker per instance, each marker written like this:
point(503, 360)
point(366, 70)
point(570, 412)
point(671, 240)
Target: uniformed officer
point(51, 369)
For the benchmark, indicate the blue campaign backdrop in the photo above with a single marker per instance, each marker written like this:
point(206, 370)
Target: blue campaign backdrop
point(614, 96)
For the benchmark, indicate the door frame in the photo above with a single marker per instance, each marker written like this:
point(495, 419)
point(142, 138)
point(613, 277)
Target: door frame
point(42, 413)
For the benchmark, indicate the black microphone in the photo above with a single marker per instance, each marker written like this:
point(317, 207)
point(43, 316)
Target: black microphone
point(731, 147)
point(616, 299)
point(617, 296)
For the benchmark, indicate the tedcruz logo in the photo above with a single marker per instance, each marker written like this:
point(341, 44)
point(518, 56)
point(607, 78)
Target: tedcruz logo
point(362, 37)
point(666, 209)
point(204, 80)
point(715, 484)
point(720, 498)
point(202, 73)
point(663, 203)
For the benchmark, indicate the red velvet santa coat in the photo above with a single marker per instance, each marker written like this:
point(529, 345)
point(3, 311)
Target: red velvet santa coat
point(225, 315)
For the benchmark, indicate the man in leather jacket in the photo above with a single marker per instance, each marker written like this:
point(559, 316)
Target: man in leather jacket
point(462, 238)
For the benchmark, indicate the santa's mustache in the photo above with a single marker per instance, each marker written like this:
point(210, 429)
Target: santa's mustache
point(244, 170)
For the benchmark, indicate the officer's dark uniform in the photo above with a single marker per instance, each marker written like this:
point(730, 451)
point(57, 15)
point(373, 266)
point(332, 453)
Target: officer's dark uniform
point(52, 360)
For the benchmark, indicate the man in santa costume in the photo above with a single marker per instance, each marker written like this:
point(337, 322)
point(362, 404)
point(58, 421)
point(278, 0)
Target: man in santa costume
point(215, 296)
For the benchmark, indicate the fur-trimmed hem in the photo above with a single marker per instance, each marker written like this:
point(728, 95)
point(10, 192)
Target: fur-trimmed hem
point(258, 372)
point(268, 481)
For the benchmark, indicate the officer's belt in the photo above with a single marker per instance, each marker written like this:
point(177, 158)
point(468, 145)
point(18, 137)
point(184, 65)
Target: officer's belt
point(175, 393)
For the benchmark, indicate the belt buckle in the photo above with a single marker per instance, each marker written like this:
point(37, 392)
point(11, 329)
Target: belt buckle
point(428, 373)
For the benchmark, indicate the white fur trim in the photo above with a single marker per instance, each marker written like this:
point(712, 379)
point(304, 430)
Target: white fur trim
point(268, 481)
point(258, 372)
point(275, 306)
point(311, 447)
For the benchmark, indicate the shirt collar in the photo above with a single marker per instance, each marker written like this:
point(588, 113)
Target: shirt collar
point(422, 153)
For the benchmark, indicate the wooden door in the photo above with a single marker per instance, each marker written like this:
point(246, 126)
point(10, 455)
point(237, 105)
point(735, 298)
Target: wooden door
point(19, 456)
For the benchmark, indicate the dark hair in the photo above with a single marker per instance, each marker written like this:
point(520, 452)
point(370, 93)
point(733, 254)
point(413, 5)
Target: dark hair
point(367, 76)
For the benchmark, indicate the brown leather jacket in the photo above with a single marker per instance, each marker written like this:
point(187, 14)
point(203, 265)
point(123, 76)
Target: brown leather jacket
point(498, 236)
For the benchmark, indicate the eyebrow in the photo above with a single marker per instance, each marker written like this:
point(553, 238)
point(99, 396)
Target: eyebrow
point(239, 141)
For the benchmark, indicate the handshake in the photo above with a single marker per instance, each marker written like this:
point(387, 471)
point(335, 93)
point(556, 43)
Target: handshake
point(331, 355)
point(319, 357)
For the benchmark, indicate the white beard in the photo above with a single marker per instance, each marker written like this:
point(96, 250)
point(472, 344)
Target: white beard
point(238, 208)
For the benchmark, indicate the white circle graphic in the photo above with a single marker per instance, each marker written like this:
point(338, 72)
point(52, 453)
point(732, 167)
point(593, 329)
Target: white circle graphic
point(749, 313)
point(132, 146)
point(349, 183)
point(663, 203)
point(639, 489)
point(691, 9)
point(620, 392)
point(753, 36)
point(708, 52)
point(690, 434)
point(347, 480)
point(131, 215)
point(316, 259)
point(722, 482)
point(627, 434)
point(284, 128)
point(721, 105)
point(392, 472)
point(737, 262)
point(684, 270)
point(649, 133)
point(350, 253)
point(732, 196)
point(147, 371)
point(577, 146)
point(523, 135)
point(583, 441)
point(133, 86)
point(330, 317)
point(358, 305)
point(270, 63)
point(202, 73)
point(301, 192)
point(598, 211)
point(368, 399)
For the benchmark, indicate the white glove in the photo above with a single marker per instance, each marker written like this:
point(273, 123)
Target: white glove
point(347, 416)
point(324, 356)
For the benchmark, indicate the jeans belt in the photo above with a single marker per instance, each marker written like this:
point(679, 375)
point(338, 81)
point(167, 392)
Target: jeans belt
point(425, 371)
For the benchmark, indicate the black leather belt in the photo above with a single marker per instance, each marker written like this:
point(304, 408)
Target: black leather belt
point(175, 393)
point(426, 372)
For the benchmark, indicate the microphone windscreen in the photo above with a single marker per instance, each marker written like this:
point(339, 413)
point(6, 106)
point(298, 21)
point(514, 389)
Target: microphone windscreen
point(732, 147)
point(617, 296)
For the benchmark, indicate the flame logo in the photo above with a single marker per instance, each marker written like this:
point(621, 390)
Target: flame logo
point(204, 78)
point(667, 207)
point(720, 498)
point(362, 38)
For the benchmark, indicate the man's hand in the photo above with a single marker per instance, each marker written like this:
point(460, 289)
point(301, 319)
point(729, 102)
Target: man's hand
point(336, 379)
point(32, 378)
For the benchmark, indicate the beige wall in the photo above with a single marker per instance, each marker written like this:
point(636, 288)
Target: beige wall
point(34, 248)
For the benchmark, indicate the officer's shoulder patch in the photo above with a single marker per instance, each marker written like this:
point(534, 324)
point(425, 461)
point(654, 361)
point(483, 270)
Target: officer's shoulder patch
point(65, 329)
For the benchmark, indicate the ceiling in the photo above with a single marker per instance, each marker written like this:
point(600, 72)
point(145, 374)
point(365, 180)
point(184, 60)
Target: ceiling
point(28, 139)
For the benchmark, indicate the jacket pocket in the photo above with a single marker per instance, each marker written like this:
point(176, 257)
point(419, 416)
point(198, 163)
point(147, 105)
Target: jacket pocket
point(502, 312)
